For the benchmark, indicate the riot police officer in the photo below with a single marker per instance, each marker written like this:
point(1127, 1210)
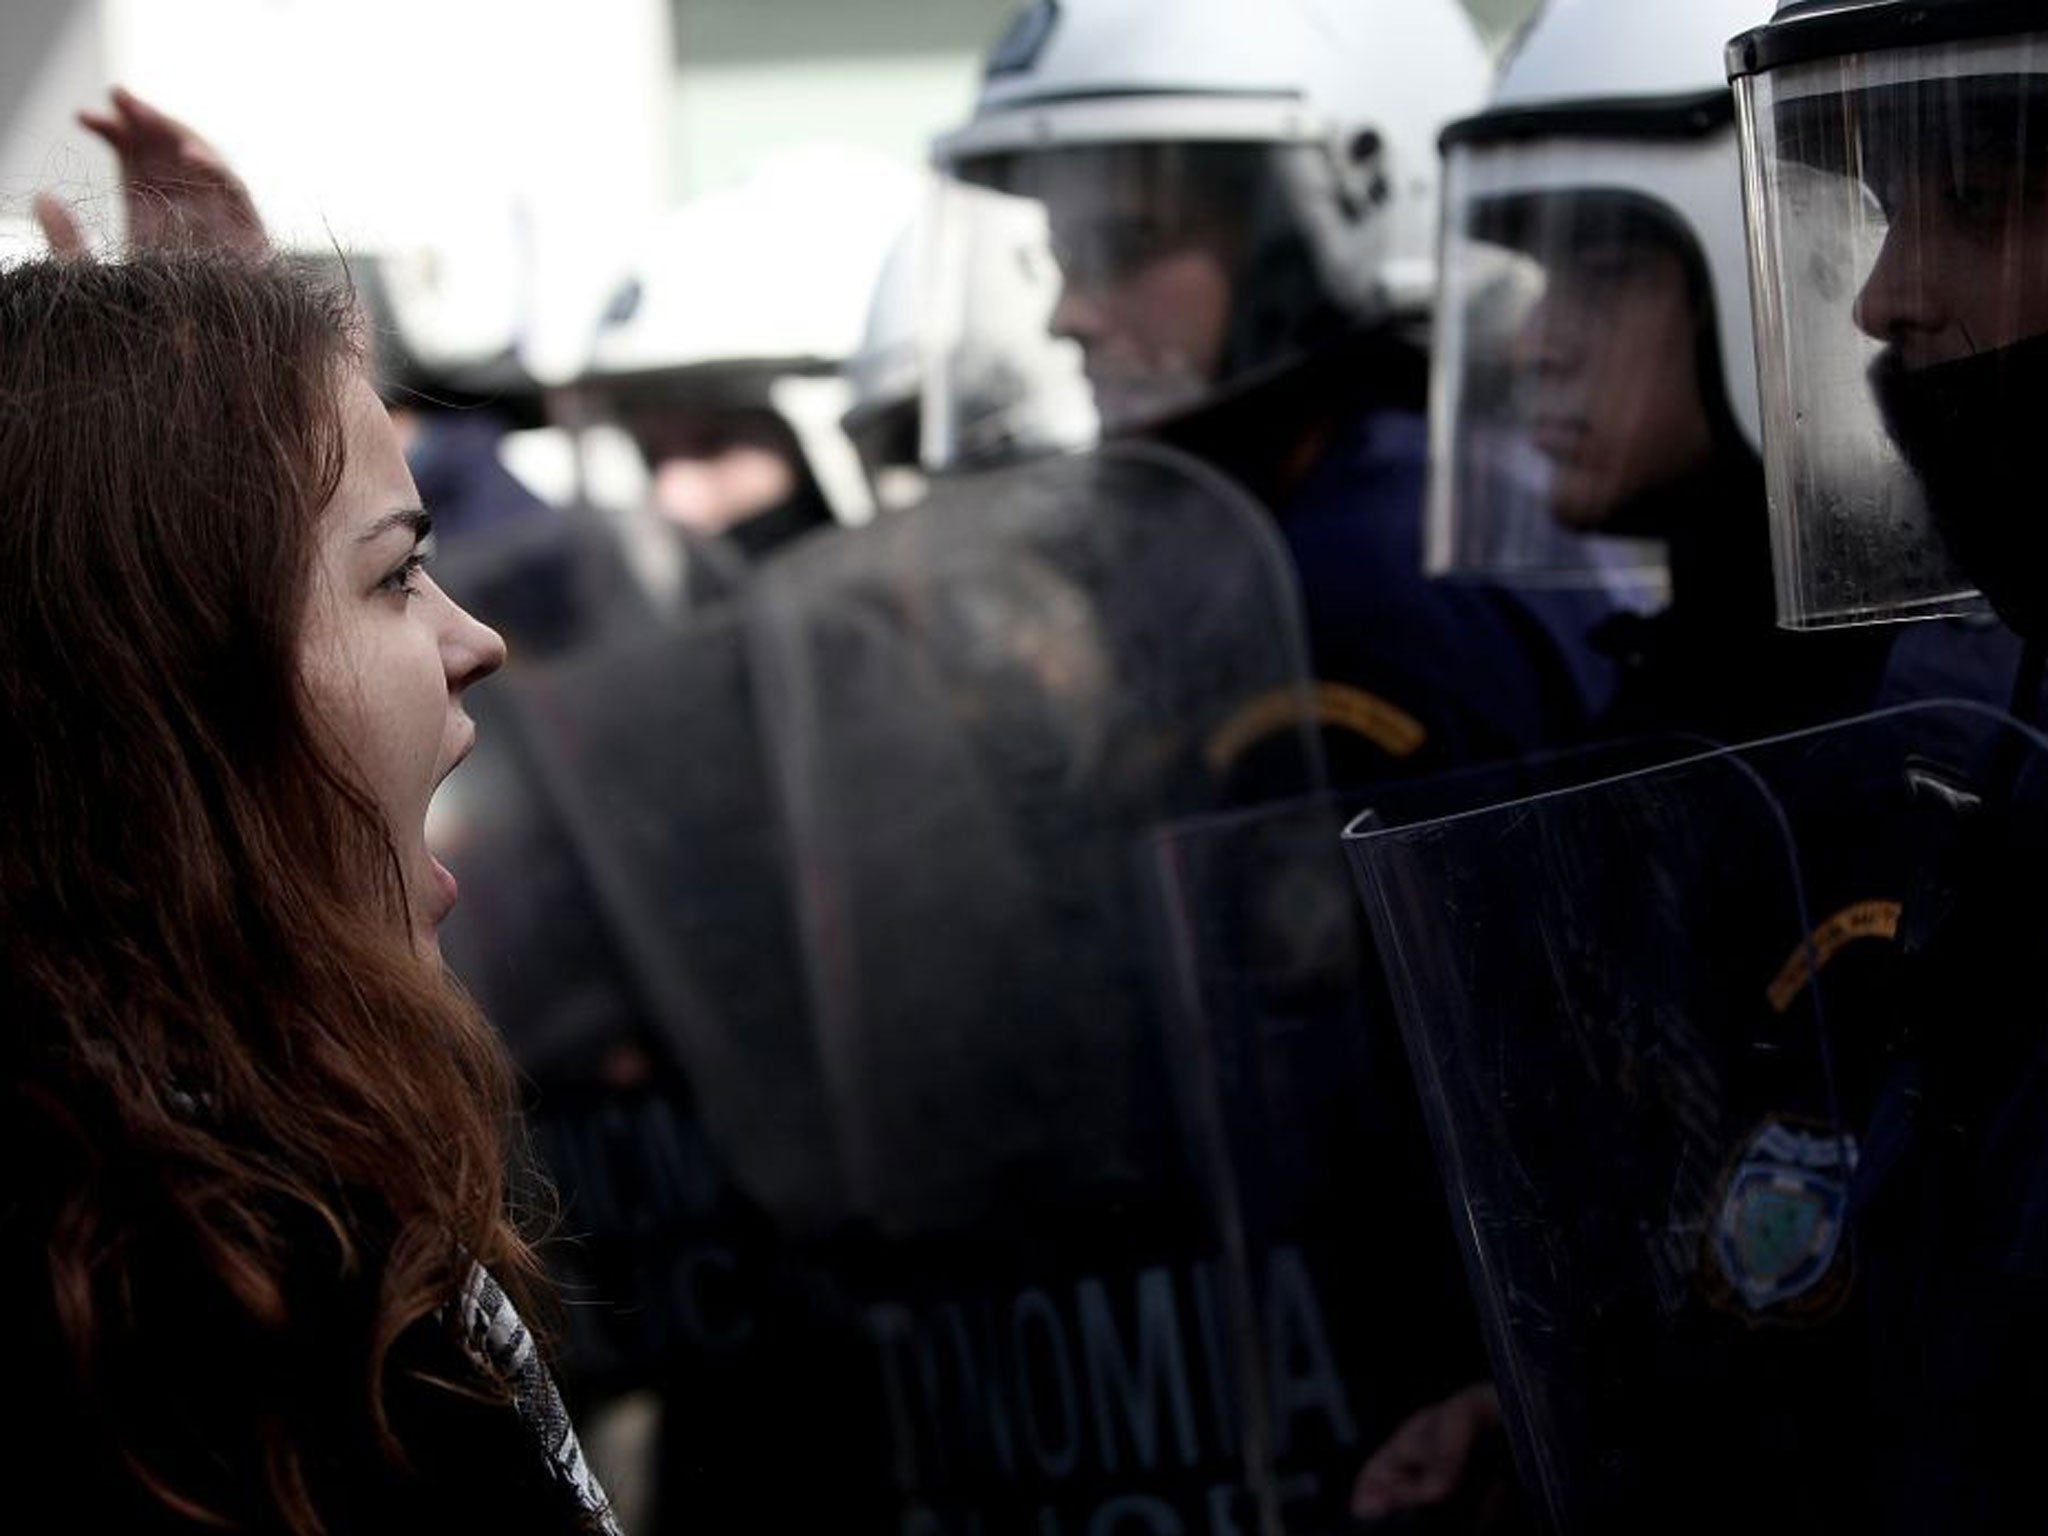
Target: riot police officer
point(1898, 159)
point(1599, 418)
point(1860, 1386)
point(1597, 427)
point(1242, 201)
point(1900, 244)
point(1879, 1229)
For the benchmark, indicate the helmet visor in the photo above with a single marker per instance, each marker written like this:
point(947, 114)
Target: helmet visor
point(1576, 385)
point(998, 383)
point(1899, 247)
point(1174, 272)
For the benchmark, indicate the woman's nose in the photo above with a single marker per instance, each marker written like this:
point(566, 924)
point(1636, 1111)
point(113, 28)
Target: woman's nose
point(470, 649)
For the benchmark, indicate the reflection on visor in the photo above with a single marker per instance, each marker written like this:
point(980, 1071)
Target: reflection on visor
point(1113, 249)
point(1184, 269)
point(1954, 126)
point(1116, 208)
point(1559, 228)
point(1147, 239)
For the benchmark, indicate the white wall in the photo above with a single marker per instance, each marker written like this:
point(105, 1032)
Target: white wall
point(1499, 20)
point(52, 62)
point(753, 77)
point(374, 118)
point(527, 133)
point(756, 76)
point(543, 138)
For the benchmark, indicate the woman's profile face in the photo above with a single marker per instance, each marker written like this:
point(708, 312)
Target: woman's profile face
point(386, 654)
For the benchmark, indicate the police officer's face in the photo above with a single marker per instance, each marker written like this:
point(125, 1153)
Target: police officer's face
point(1964, 265)
point(1609, 356)
point(1958, 296)
point(712, 468)
point(1149, 240)
point(1150, 316)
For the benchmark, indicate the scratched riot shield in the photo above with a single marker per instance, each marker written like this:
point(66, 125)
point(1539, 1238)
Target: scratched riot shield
point(1657, 1023)
point(1292, 1072)
point(628, 917)
point(1290, 1077)
point(530, 939)
point(527, 939)
point(980, 710)
point(872, 841)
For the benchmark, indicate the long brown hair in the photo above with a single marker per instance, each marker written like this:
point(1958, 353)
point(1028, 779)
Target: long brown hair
point(230, 1082)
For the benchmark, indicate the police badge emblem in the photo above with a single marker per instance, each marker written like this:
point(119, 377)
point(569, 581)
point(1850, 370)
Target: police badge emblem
point(1777, 1241)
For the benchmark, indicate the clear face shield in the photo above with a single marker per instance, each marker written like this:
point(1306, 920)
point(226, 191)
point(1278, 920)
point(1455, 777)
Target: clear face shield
point(1158, 261)
point(999, 383)
point(1899, 238)
point(1577, 394)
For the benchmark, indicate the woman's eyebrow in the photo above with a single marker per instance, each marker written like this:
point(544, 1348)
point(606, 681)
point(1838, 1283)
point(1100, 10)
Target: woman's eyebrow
point(417, 519)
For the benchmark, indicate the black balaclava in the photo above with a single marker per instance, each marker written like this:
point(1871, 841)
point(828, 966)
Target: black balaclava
point(1969, 429)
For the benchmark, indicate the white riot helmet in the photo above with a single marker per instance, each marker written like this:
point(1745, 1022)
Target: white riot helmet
point(445, 324)
point(1592, 335)
point(727, 337)
point(1897, 165)
point(442, 322)
point(1230, 184)
point(1014, 389)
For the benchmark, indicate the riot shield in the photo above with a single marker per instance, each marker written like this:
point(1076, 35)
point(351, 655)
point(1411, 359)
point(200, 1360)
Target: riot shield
point(870, 840)
point(978, 710)
point(1288, 1075)
point(1658, 1023)
point(984, 710)
point(620, 720)
point(628, 922)
point(1290, 1072)
point(525, 939)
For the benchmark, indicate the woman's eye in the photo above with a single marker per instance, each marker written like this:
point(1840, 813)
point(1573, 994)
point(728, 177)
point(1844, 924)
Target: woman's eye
point(405, 576)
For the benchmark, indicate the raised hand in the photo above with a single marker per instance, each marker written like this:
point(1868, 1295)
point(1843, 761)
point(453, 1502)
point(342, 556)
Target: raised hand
point(180, 194)
point(59, 225)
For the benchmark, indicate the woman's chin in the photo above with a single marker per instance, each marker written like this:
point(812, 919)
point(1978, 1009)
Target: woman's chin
point(442, 892)
point(426, 943)
point(432, 897)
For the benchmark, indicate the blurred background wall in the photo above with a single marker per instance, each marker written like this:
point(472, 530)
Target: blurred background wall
point(369, 116)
